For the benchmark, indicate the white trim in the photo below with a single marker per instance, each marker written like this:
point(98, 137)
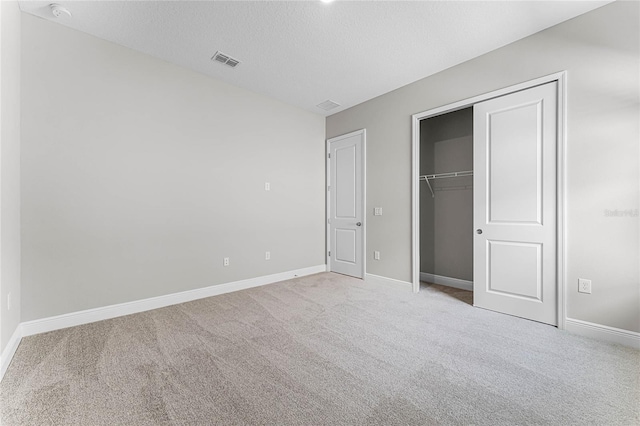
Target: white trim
point(603, 332)
point(10, 350)
point(363, 132)
point(489, 95)
point(72, 319)
point(561, 160)
point(364, 203)
point(107, 312)
point(561, 200)
point(415, 202)
point(327, 182)
point(389, 282)
point(447, 281)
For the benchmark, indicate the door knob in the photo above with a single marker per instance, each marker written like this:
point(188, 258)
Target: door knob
point(478, 231)
point(359, 224)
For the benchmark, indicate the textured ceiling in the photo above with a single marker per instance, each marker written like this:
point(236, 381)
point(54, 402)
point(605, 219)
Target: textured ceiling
point(305, 52)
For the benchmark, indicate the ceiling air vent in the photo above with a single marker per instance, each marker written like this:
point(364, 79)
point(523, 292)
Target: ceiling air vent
point(225, 59)
point(327, 105)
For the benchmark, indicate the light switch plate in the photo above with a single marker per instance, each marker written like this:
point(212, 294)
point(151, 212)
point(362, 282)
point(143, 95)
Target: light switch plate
point(584, 286)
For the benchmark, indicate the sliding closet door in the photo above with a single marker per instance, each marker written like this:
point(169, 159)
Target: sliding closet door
point(515, 139)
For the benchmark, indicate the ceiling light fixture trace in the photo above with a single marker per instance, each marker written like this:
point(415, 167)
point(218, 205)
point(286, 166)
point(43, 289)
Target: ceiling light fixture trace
point(58, 10)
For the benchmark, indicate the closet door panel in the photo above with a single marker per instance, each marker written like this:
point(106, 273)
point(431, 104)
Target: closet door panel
point(524, 278)
point(514, 148)
point(515, 138)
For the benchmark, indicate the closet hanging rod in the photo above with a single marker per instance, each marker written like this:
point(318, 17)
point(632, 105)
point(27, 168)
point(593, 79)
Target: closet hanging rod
point(447, 175)
point(426, 178)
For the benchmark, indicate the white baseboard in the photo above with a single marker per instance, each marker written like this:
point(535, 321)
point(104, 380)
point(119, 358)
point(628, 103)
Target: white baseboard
point(603, 332)
point(584, 328)
point(377, 279)
point(107, 312)
point(447, 281)
point(10, 350)
point(72, 319)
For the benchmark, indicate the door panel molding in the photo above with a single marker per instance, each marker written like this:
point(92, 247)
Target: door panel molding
point(493, 283)
point(502, 169)
point(561, 79)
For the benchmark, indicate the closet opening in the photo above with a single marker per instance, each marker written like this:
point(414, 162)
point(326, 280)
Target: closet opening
point(446, 199)
point(495, 219)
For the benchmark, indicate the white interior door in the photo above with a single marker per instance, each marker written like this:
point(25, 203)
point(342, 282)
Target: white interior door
point(345, 196)
point(515, 138)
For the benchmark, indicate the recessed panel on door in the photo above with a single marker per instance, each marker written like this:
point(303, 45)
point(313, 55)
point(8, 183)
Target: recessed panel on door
point(345, 182)
point(524, 278)
point(514, 147)
point(345, 245)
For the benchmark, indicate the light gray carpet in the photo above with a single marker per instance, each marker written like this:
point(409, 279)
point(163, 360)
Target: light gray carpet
point(323, 349)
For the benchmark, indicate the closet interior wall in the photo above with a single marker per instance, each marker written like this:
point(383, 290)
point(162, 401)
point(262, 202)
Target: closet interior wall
point(446, 219)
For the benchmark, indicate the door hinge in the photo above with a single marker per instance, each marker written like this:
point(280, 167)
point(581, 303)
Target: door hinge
point(329, 188)
point(329, 254)
point(328, 155)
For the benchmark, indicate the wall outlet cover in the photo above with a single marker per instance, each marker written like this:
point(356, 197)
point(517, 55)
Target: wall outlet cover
point(584, 285)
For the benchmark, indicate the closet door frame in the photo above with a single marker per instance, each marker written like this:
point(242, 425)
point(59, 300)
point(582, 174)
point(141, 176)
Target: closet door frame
point(560, 78)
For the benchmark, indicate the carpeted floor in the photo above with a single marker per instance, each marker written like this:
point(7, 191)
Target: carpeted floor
point(321, 350)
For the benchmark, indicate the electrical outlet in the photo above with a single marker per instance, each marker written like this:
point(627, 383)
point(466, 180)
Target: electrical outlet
point(376, 255)
point(377, 211)
point(9, 301)
point(225, 261)
point(267, 186)
point(584, 286)
point(267, 255)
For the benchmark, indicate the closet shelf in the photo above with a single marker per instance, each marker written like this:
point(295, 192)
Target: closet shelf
point(447, 175)
point(427, 178)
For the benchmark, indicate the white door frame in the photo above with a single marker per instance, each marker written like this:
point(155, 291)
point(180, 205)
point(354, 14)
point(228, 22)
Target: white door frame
point(561, 78)
point(328, 258)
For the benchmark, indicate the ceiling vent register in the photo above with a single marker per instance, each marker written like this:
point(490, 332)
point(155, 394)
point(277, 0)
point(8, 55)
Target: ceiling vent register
point(328, 104)
point(225, 59)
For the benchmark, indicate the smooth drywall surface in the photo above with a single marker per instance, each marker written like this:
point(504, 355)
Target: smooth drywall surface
point(9, 170)
point(600, 51)
point(139, 177)
point(446, 219)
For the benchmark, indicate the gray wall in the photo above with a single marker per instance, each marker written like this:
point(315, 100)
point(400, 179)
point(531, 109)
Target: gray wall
point(446, 220)
point(427, 203)
point(138, 177)
point(600, 51)
point(9, 169)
